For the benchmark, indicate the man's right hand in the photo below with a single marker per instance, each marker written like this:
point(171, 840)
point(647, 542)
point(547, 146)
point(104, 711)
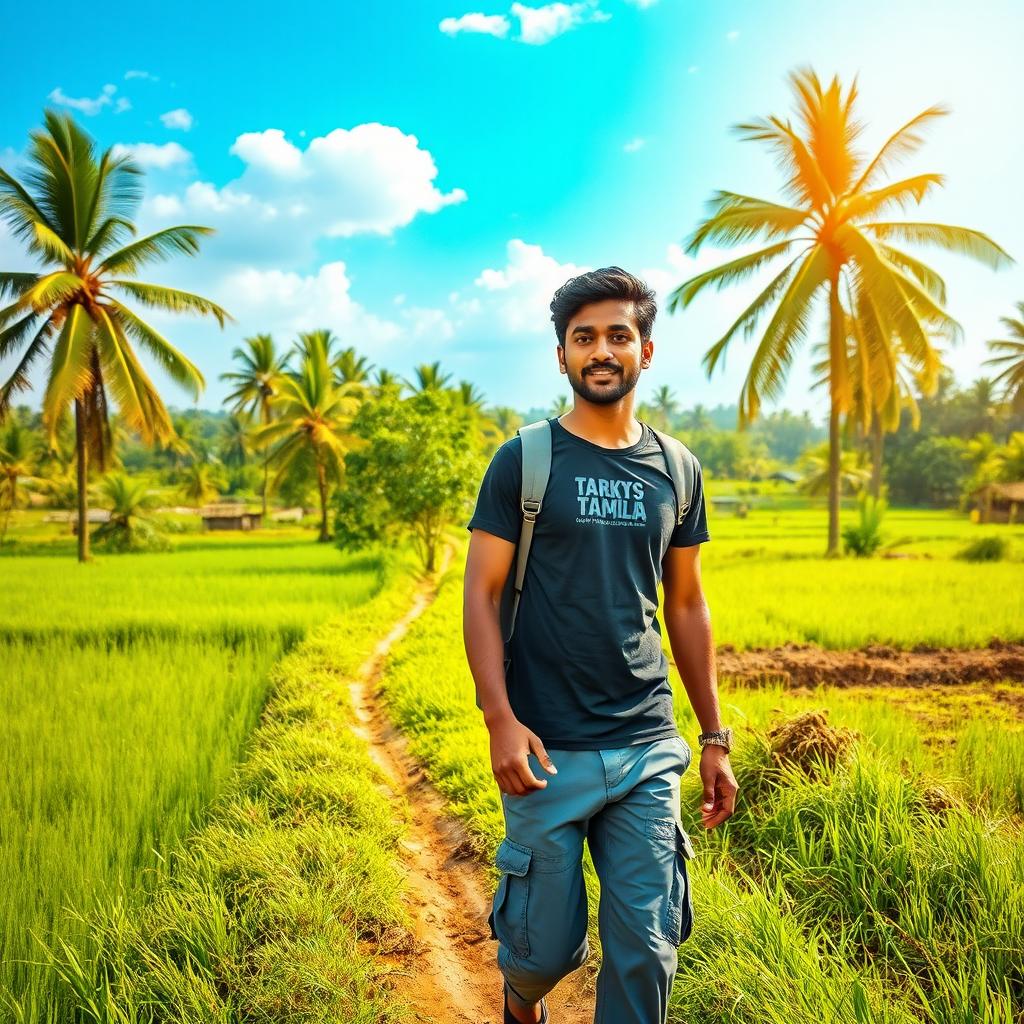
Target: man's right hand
point(511, 745)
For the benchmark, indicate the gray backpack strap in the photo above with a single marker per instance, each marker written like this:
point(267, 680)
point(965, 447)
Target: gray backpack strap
point(681, 468)
point(536, 470)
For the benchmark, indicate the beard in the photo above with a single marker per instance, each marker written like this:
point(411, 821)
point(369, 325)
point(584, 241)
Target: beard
point(613, 390)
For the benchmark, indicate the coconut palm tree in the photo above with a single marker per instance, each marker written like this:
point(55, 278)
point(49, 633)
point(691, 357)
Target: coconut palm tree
point(350, 368)
point(312, 414)
point(235, 440)
point(429, 376)
point(664, 402)
point(256, 384)
point(835, 218)
point(74, 213)
point(130, 526)
point(201, 483)
point(816, 479)
point(1012, 349)
point(560, 405)
point(386, 379)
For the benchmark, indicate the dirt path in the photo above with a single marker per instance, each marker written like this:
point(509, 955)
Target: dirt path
point(807, 665)
point(454, 978)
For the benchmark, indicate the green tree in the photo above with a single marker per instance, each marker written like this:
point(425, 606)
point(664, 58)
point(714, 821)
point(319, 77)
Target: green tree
point(415, 467)
point(836, 217)
point(75, 214)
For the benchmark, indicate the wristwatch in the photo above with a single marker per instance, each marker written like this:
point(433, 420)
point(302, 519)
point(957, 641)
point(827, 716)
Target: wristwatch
point(722, 738)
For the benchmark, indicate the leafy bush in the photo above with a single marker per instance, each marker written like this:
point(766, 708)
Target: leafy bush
point(864, 539)
point(985, 549)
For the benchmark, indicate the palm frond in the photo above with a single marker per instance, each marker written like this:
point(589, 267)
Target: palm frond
point(804, 179)
point(748, 318)
point(903, 142)
point(728, 273)
point(929, 279)
point(736, 218)
point(956, 239)
point(158, 297)
point(176, 365)
point(19, 209)
point(897, 194)
point(52, 289)
point(71, 368)
point(18, 380)
point(14, 283)
point(767, 373)
point(50, 245)
point(160, 245)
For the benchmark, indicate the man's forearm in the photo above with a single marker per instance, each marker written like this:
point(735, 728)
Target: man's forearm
point(485, 652)
point(693, 649)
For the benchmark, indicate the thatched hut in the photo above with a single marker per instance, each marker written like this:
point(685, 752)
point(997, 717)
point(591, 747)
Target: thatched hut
point(230, 516)
point(999, 503)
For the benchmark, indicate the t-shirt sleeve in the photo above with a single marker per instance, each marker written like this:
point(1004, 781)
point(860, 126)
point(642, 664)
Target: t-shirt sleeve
point(694, 527)
point(497, 505)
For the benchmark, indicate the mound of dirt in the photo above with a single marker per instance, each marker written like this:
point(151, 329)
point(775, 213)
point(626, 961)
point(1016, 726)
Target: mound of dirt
point(808, 665)
point(807, 740)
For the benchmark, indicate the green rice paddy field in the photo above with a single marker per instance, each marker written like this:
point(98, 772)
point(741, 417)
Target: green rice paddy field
point(889, 887)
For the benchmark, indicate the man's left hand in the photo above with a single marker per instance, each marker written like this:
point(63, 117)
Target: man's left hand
point(720, 787)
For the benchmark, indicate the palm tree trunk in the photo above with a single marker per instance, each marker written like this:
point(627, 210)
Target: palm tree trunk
point(321, 479)
point(877, 440)
point(266, 473)
point(83, 477)
point(837, 343)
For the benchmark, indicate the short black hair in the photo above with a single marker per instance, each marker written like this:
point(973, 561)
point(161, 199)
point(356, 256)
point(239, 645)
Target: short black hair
point(596, 285)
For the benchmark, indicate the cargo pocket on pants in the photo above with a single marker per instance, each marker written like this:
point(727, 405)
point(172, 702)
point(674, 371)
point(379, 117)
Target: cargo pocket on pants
point(676, 921)
point(684, 854)
point(507, 919)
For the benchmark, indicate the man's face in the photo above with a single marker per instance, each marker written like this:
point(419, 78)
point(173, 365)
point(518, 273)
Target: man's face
point(603, 354)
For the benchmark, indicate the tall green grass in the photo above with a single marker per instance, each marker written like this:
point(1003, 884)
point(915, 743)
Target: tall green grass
point(130, 687)
point(285, 905)
point(754, 956)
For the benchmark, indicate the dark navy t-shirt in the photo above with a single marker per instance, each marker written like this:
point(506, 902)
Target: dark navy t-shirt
point(588, 671)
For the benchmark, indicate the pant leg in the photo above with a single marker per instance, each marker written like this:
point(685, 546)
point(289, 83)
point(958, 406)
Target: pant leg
point(639, 851)
point(539, 910)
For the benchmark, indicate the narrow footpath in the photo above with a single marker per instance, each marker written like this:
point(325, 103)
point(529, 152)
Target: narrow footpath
point(454, 977)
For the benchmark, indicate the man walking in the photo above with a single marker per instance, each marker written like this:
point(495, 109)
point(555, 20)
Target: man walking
point(583, 740)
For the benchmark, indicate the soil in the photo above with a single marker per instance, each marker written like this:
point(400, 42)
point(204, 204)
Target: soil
point(451, 977)
point(808, 665)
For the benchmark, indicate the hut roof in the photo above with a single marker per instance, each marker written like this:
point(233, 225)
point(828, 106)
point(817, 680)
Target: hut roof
point(226, 508)
point(1011, 491)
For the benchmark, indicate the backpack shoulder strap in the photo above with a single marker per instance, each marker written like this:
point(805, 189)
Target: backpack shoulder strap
point(681, 468)
point(536, 439)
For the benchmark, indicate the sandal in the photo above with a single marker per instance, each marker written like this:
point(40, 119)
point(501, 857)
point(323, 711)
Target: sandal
point(507, 1013)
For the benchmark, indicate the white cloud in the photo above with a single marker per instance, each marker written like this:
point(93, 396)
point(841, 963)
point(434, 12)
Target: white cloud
point(141, 74)
point(431, 324)
point(179, 118)
point(539, 25)
point(487, 24)
point(370, 179)
point(633, 145)
point(520, 293)
point(122, 104)
point(149, 154)
point(85, 104)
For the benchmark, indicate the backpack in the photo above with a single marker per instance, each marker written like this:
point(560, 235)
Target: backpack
point(536, 469)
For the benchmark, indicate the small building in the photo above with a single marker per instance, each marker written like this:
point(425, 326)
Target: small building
point(230, 516)
point(999, 503)
point(785, 475)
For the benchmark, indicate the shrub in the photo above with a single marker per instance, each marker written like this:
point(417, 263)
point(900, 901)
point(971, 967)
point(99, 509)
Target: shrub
point(985, 549)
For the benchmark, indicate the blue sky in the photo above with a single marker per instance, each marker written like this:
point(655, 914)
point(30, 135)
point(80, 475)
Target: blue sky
point(420, 181)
